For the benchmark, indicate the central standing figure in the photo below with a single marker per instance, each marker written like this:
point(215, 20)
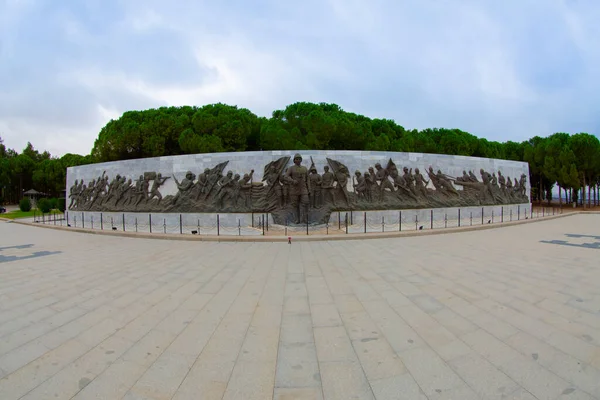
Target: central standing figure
point(297, 177)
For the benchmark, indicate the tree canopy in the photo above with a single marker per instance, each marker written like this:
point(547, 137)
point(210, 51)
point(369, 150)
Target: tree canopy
point(570, 161)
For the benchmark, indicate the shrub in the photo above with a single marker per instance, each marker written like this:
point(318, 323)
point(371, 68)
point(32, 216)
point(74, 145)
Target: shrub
point(53, 203)
point(44, 205)
point(62, 204)
point(25, 204)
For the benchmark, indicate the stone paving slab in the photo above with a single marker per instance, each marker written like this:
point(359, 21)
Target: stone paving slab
point(511, 313)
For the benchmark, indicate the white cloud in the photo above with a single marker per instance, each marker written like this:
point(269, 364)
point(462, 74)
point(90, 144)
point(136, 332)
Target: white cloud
point(506, 70)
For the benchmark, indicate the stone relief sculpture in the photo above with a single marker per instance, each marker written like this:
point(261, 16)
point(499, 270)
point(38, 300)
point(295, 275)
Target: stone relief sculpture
point(297, 194)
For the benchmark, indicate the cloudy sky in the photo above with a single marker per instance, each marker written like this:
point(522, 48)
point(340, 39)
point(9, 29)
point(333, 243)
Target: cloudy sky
point(503, 70)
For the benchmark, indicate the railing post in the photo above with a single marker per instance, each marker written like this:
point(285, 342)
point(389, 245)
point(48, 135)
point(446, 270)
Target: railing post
point(339, 221)
point(346, 223)
point(400, 221)
point(82, 219)
point(239, 228)
point(519, 212)
point(416, 222)
point(365, 221)
point(67, 218)
point(164, 225)
point(150, 222)
point(471, 218)
point(306, 222)
point(252, 219)
point(219, 225)
point(180, 224)
point(91, 220)
point(459, 217)
point(136, 226)
point(123, 216)
point(263, 224)
point(351, 218)
point(112, 225)
point(481, 215)
point(431, 218)
point(445, 220)
point(382, 224)
point(492, 215)
point(502, 215)
point(101, 222)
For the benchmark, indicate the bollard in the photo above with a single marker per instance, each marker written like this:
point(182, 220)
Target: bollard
point(123, 222)
point(101, 222)
point(459, 217)
point(263, 224)
point(164, 225)
point(150, 222)
point(431, 218)
point(481, 215)
point(219, 224)
point(365, 221)
point(382, 224)
point(351, 218)
point(239, 228)
point(502, 215)
point(267, 218)
point(339, 221)
point(251, 222)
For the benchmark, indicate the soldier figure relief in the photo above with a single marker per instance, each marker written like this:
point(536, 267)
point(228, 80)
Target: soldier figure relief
point(295, 194)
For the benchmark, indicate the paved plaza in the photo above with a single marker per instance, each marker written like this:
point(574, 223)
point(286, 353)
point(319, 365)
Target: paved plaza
point(507, 313)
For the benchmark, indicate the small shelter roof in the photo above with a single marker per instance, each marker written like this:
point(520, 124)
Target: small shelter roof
point(33, 192)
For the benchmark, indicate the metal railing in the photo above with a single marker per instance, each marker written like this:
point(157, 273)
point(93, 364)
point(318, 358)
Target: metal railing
point(341, 222)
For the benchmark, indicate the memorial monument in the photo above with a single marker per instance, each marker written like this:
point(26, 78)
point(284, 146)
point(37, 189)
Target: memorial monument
point(294, 190)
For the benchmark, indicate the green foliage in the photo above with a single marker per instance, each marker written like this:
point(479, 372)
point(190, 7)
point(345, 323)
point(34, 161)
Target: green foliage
point(62, 204)
point(25, 204)
point(569, 161)
point(53, 203)
point(44, 205)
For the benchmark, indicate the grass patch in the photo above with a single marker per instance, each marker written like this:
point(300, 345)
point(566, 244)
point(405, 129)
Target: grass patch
point(26, 214)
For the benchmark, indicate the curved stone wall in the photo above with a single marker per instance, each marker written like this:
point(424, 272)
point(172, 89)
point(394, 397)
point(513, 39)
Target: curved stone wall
point(270, 182)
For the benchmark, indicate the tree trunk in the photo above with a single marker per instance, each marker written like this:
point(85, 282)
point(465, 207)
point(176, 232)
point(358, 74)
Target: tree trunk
point(589, 196)
point(559, 197)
